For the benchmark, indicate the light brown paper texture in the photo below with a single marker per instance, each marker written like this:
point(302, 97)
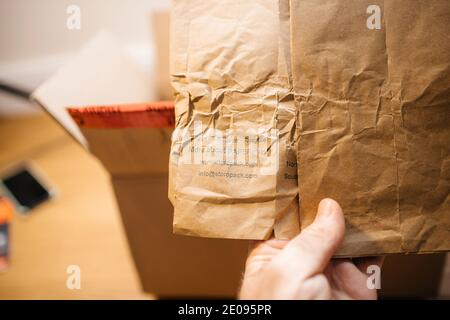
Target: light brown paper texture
point(372, 124)
point(230, 73)
point(374, 120)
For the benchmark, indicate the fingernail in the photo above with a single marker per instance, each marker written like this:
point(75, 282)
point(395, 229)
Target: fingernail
point(327, 208)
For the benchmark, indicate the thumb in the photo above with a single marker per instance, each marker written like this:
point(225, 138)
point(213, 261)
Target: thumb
point(316, 244)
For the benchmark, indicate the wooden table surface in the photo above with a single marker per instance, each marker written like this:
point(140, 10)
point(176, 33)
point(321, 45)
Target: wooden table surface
point(80, 226)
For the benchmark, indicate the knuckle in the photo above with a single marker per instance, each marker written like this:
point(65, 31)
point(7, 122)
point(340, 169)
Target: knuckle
point(326, 236)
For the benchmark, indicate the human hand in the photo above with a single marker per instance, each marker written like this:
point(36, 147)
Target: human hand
point(302, 267)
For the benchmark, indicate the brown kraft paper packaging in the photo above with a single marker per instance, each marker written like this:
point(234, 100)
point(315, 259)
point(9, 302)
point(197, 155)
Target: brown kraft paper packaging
point(374, 120)
point(372, 127)
point(233, 167)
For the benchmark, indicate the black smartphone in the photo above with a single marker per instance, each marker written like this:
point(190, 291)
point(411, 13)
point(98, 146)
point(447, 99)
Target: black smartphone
point(25, 188)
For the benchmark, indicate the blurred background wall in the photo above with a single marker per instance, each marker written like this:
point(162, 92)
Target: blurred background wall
point(35, 41)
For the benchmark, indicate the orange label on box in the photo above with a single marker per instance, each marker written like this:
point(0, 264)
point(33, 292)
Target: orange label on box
point(6, 210)
point(143, 115)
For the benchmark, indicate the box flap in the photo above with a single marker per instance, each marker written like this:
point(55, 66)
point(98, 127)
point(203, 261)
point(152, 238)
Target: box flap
point(99, 74)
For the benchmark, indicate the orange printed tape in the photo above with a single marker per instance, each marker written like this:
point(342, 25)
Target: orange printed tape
point(144, 115)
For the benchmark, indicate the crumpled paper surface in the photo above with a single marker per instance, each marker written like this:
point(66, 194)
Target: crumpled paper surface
point(230, 73)
point(374, 120)
point(365, 113)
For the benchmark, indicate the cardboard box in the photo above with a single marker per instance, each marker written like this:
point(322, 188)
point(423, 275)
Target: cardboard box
point(137, 159)
point(160, 26)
